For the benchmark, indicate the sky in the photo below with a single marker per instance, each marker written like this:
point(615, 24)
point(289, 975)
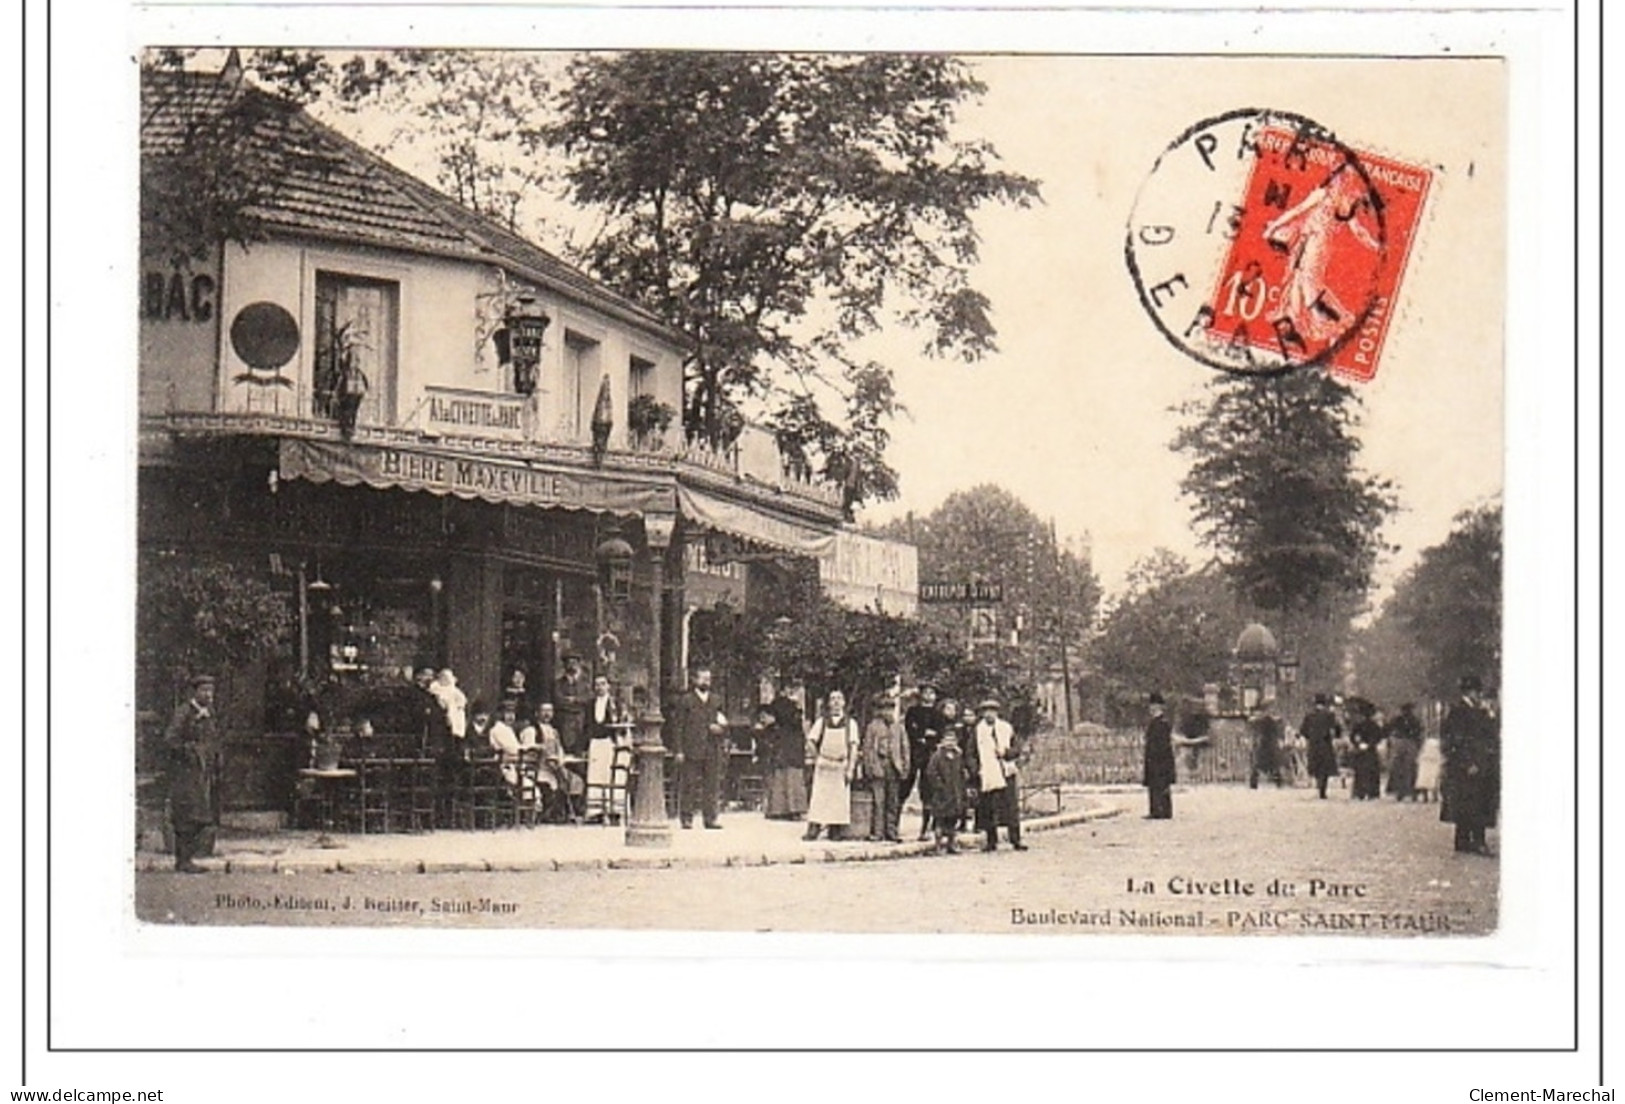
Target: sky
point(1075, 411)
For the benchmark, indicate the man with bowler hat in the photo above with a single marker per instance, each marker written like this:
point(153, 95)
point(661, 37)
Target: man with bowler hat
point(1320, 732)
point(1159, 759)
point(1470, 738)
point(191, 758)
point(702, 750)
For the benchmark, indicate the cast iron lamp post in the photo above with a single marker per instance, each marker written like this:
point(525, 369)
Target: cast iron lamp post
point(647, 825)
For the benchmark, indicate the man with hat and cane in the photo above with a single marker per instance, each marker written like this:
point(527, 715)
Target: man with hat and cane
point(1159, 759)
point(1470, 738)
point(991, 760)
point(191, 757)
point(1320, 732)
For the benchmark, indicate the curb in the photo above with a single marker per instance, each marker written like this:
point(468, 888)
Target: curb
point(338, 864)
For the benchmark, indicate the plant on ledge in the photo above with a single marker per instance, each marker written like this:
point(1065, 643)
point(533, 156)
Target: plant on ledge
point(648, 419)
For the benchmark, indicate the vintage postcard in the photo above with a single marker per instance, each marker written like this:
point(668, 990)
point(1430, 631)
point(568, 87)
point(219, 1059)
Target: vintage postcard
point(880, 492)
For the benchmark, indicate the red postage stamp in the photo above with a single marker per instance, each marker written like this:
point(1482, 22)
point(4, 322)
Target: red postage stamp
point(1261, 243)
point(1319, 251)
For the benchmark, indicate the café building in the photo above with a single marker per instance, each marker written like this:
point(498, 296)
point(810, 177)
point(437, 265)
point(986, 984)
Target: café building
point(442, 444)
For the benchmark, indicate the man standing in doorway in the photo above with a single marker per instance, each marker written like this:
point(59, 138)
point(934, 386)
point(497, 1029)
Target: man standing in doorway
point(1159, 759)
point(570, 691)
point(191, 753)
point(701, 749)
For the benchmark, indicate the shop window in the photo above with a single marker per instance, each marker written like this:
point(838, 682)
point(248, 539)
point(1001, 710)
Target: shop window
point(357, 334)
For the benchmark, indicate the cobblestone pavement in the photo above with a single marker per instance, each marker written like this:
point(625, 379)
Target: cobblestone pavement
point(1336, 867)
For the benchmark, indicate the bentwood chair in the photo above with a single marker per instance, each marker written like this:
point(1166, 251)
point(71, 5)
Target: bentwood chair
point(609, 776)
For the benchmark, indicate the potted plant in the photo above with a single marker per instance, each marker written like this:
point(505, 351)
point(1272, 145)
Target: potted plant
point(648, 418)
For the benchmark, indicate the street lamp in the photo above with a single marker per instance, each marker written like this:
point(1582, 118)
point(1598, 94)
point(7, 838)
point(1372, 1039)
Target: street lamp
point(527, 322)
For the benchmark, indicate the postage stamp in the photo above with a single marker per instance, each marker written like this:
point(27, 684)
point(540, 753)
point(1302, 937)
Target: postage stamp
point(1261, 242)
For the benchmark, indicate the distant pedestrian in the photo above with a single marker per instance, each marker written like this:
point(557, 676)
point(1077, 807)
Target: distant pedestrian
point(832, 748)
point(1159, 759)
point(1321, 732)
point(1404, 751)
point(1365, 758)
point(885, 765)
point(946, 770)
point(993, 753)
point(1429, 765)
point(1470, 738)
point(191, 769)
point(1265, 728)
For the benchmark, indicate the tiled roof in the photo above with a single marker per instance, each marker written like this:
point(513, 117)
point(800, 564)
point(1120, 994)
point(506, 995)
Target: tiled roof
point(328, 186)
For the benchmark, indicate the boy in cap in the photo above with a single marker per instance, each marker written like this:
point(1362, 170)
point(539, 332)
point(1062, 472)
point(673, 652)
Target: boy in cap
point(191, 751)
point(946, 772)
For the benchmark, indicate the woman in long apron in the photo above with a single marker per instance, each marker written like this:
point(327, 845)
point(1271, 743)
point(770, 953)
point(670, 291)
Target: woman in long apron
point(832, 746)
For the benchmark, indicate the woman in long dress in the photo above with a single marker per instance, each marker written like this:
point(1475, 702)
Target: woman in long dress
point(781, 744)
point(832, 746)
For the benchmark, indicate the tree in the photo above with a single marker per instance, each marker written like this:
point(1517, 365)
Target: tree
point(988, 534)
point(1449, 604)
point(1172, 630)
point(1275, 490)
point(774, 208)
point(204, 613)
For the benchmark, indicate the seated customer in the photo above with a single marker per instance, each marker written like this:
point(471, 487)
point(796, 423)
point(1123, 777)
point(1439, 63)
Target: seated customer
point(562, 787)
point(505, 742)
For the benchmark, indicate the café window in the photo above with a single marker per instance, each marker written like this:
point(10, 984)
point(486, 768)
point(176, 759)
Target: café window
point(357, 335)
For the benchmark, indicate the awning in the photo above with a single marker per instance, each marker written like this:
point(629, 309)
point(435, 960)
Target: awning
point(754, 523)
point(493, 479)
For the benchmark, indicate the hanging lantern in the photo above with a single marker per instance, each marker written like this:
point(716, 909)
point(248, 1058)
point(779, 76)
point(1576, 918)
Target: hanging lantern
point(527, 323)
point(614, 558)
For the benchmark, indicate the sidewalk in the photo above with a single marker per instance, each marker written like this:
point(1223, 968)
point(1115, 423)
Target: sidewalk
point(746, 839)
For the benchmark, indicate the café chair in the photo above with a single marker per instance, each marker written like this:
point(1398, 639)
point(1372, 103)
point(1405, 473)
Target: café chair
point(609, 776)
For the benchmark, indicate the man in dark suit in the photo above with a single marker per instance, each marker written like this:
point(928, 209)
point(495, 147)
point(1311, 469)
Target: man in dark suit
point(702, 749)
point(1159, 759)
point(1470, 738)
point(191, 754)
point(1321, 731)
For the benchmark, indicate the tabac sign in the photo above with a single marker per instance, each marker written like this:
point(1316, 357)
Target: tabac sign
point(494, 480)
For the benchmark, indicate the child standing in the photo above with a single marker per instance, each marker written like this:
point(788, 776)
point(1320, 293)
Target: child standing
point(946, 772)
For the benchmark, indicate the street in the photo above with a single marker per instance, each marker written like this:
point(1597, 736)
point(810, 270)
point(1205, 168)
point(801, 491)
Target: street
point(1232, 862)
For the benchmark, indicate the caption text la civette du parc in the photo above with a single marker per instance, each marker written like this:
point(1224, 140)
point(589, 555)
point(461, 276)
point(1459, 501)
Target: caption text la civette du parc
point(1316, 905)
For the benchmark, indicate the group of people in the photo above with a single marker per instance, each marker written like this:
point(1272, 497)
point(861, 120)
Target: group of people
point(1461, 764)
point(577, 727)
point(811, 770)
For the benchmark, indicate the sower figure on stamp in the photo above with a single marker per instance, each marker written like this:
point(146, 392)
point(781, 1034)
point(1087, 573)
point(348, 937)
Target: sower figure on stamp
point(1321, 732)
point(1470, 738)
point(702, 749)
point(1159, 759)
point(191, 760)
point(886, 764)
